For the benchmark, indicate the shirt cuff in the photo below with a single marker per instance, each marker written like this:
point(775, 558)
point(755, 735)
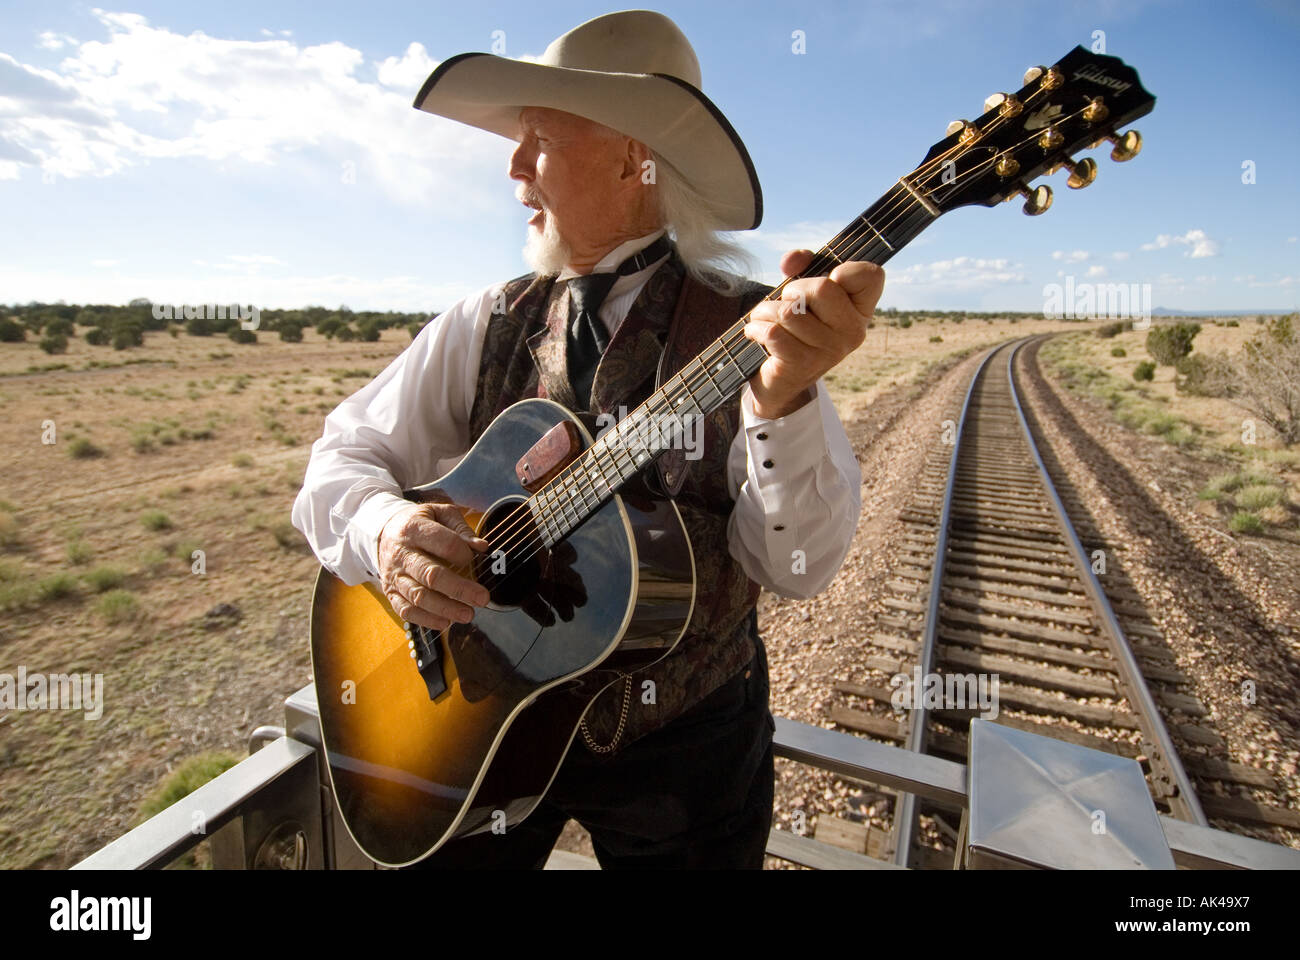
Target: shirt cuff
point(787, 446)
point(367, 523)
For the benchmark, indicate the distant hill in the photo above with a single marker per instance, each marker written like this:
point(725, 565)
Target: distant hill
point(1166, 312)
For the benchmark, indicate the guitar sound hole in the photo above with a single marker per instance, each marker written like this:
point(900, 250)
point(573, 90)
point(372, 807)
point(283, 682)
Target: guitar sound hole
point(511, 567)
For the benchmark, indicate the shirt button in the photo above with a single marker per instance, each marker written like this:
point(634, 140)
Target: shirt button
point(760, 436)
point(768, 464)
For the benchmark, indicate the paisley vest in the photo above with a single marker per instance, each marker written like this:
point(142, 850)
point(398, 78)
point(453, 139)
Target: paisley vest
point(672, 320)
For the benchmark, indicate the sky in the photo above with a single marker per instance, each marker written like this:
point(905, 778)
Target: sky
point(267, 152)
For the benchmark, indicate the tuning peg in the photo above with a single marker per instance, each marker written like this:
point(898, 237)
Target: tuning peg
point(1096, 111)
point(1007, 166)
point(1051, 138)
point(967, 129)
point(1050, 78)
point(1082, 172)
point(1006, 105)
point(1037, 199)
point(1127, 145)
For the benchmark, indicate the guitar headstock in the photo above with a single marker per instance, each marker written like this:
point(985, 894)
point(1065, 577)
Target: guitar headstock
point(1079, 102)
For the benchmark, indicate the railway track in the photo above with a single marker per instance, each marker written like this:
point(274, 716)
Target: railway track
point(1001, 575)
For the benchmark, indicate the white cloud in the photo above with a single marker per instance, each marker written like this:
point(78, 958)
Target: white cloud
point(1097, 270)
point(146, 94)
point(49, 40)
point(960, 273)
point(1074, 256)
point(806, 235)
point(407, 72)
point(1290, 239)
point(1120, 255)
point(1201, 245)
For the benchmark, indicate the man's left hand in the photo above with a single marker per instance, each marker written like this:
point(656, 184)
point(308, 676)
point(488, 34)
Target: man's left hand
point(817, 323)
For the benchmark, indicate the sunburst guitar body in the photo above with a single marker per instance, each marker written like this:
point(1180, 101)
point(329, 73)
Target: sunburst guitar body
point(431, 736)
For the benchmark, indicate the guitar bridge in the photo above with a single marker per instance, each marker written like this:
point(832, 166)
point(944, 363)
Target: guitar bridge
point(423, 643)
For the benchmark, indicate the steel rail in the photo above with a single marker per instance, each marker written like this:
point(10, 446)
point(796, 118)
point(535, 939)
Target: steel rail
point(905, 811)
point(1183, 798)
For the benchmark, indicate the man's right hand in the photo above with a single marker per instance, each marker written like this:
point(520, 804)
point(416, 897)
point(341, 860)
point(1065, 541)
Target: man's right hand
point(417, 548)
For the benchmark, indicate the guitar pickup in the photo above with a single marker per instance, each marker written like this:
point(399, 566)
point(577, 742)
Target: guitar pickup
point(428, 658)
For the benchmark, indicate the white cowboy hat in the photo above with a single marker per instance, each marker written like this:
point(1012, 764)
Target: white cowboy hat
point(633, 71)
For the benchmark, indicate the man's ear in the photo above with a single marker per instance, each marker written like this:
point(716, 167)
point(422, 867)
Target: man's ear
point(635, 159)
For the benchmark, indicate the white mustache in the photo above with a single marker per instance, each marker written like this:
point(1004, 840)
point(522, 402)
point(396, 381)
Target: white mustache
point(529, 198)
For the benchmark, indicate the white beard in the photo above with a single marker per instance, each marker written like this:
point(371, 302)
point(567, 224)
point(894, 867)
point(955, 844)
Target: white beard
point(546, 252)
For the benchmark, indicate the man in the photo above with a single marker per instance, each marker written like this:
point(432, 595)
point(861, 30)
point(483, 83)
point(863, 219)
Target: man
point(632, 173)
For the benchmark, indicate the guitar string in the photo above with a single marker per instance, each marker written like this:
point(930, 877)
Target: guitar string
point(635, 423)
point(522, 514)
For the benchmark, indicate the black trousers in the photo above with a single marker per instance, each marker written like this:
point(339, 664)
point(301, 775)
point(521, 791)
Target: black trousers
point(695, 794)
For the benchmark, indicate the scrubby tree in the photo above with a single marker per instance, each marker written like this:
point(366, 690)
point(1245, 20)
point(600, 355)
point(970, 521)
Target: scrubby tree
point(1170, 342)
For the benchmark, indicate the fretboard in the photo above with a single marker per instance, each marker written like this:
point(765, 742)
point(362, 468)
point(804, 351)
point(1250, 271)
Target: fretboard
point(668, 417)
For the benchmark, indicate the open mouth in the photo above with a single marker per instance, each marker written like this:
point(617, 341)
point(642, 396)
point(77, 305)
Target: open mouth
point(537, 218)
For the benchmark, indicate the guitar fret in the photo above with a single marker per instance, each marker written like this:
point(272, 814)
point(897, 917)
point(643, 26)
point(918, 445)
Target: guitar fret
point(864, 219)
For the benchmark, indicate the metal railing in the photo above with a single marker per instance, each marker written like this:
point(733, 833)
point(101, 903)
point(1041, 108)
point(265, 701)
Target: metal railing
point(275, 809)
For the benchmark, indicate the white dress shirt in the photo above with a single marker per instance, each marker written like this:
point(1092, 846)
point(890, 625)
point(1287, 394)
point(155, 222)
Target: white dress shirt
point(790, 528)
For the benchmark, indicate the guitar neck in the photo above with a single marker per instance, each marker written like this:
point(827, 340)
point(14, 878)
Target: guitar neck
point(717, 374)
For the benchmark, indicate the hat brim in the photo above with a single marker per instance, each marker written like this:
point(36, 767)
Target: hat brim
point(668, 115)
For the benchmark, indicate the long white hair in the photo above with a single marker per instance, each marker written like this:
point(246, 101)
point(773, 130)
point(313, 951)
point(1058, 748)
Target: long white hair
point(710, 256)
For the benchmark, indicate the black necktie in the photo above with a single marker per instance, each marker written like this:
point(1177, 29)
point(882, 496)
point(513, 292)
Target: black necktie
point(587, 335)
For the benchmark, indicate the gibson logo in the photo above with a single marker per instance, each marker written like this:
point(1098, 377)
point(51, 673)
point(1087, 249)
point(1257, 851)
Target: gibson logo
point(1097, 75)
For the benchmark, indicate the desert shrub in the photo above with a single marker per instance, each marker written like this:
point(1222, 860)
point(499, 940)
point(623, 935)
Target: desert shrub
point(127, 332)
point(1107, 330)
point(1205, 375)
point(1170, 342)
point(156, 520)
point(54, 343)
point(1266, 376)
point(1258, 498)
point(78, 552)
point(56, 587)
point(105, 578)
point(1146, 370)
point(1118, 352)
point(118, 606)
point(1243, 521)
point(240, 335)
point(79, 448)
point(11, 331)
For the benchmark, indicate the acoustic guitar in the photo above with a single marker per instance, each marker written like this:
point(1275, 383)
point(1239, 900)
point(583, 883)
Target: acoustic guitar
point(435, 735)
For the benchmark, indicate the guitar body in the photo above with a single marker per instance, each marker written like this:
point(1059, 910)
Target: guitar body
point(419, 754)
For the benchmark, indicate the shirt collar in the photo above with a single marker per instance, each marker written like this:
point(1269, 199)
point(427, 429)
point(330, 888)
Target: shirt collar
point(610, 261)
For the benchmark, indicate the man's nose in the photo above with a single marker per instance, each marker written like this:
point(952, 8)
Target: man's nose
point(521, 164)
